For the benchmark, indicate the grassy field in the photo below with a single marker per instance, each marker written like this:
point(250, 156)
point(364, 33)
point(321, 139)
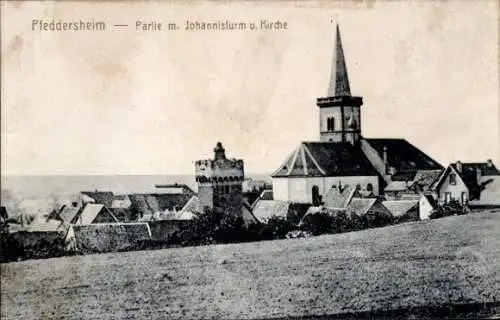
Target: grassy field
point(450, 261)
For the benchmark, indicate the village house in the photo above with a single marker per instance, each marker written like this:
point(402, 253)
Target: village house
point(250, 184)
point(121, 201)
point(94, 213)
point(412, 186)
point(469, 184)
point(98, 197)
point(339, 197)
point(368, 212)
point(263, 210)
point(164, 202)
point(396, 190)
point(264, 195)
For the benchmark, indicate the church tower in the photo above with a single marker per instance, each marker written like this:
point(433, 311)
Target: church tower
point(220, 182)
point(339, 112)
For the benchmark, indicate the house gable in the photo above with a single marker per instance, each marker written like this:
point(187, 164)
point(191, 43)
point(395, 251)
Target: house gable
point(95, 213)
point(453, 188)
point(105, 216)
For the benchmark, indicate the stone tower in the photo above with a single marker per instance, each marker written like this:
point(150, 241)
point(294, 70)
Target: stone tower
point(339, 112)
point(220, 182)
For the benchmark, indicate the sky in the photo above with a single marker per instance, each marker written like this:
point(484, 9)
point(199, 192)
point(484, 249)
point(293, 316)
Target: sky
point(128, 102)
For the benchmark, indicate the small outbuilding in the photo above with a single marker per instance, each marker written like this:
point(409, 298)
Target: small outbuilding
point(427, 205)
point(403, 210)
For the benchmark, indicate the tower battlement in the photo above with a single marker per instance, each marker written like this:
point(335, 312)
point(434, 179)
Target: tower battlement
point(219, 169)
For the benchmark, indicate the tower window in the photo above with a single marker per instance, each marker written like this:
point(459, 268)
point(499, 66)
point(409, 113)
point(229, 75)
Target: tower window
point(330, 124)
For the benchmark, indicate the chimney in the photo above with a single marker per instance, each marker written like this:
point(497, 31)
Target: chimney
point(385, 159)
point(490, 163)
point(459, 166)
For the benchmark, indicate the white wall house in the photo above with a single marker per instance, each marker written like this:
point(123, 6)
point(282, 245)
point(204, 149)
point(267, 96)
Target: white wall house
point(426, 205)
point(452, 185)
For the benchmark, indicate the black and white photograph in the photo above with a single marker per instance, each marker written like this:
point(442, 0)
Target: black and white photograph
point(250, 160)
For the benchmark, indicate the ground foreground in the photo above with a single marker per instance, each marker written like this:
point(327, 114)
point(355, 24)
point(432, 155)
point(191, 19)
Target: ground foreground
point(415, 269)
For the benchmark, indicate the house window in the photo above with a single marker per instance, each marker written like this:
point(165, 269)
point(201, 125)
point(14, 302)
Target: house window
point(447, 197)
point(464, 197)
point(453, 179)
point(330, 124)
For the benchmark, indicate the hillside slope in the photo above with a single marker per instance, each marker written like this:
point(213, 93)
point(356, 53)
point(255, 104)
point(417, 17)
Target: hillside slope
point(454, 260)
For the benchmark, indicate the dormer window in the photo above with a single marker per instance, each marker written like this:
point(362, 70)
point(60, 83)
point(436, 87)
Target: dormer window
point(453, 179)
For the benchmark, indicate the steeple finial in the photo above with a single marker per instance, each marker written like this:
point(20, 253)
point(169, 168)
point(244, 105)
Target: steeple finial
point(339, 82)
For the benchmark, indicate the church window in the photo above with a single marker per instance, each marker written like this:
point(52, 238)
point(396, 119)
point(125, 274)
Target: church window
point(453, 179)
point(369, 187)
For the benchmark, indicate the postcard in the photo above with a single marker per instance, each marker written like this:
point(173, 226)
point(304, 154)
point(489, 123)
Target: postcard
point(250, 160)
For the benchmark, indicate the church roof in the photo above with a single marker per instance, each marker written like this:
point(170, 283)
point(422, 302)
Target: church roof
point(339, 81)
point(325, 159)
point(403, 156)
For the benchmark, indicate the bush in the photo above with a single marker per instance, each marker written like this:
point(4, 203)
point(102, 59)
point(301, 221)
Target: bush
point(452, 208)
point(276, 228)
point(369, 220)
point(215, 226)
point(326, 222)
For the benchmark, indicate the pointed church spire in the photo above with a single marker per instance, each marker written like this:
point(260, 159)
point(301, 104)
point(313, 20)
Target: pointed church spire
point(339, 82)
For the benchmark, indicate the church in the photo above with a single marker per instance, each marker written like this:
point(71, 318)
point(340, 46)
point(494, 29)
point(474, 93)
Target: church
point(343, 156)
